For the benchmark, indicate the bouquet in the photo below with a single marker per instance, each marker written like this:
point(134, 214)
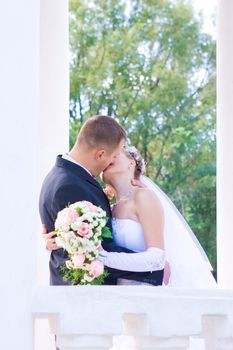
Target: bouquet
point(80, 229)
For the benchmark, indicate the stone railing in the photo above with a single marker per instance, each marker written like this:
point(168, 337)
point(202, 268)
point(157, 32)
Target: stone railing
point(136, 317)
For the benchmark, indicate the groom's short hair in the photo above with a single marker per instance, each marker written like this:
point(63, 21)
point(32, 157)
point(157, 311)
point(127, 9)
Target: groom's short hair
point(101, 130)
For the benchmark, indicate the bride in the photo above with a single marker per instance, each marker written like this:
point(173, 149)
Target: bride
point(145, 220)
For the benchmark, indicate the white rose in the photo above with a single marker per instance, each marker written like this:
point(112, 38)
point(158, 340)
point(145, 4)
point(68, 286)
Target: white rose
point(95, 223)
point(88, 278)
point(60, 242)
point(76, 225)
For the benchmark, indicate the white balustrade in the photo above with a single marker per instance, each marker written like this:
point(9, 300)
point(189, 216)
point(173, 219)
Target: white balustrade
point(130, 317)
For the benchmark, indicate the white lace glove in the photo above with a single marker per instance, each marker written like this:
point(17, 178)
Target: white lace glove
point(152, 259)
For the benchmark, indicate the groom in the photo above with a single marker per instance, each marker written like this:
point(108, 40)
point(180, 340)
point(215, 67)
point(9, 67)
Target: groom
point(72, 179)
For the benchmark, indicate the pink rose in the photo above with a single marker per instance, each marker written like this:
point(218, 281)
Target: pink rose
point(78, 260)
point(91, 206)
point(94, 208)
point(72, 215)
point(96, 268)
point(66, 217)
point(109, 191)
point(84, 230)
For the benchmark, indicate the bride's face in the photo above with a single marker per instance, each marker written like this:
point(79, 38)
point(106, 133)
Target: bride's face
point(121, 165)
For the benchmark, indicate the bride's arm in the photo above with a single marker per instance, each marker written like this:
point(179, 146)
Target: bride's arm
point(151, 217)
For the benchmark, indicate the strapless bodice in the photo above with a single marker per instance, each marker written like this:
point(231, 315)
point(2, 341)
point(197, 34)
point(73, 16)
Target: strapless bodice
point(128, 233)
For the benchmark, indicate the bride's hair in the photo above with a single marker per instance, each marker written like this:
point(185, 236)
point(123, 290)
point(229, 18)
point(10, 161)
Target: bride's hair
point(133, 153)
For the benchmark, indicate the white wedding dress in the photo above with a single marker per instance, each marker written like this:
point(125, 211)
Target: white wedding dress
point(189, 265)
point(128, 233)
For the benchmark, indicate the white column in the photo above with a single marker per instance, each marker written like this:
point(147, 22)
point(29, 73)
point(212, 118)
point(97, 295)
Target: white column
point(54, 97)
point(225, 143)
point(53, 120)
point(54, 81)
point(34, 90)
point(217, 332)
point(19, 86)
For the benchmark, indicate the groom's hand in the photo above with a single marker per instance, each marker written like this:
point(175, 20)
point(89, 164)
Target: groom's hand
point(167, 273)
point(49, 239)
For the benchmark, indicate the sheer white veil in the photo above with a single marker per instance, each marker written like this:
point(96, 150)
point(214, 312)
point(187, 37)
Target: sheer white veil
point(189, 264)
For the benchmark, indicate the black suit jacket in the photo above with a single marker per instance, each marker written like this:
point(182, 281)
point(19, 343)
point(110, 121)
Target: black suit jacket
point(68, 183)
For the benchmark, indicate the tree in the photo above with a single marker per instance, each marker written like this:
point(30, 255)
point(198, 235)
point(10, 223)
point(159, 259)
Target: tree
point(149, 65)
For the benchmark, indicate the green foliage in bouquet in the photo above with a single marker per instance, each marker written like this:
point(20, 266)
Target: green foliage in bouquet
point(106, 233)
point(75, 276)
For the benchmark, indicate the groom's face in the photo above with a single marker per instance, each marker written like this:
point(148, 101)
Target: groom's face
point(109, 156)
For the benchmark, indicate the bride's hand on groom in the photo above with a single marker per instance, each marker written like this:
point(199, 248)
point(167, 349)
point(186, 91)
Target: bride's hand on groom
point(49, 239)
point(137, 183)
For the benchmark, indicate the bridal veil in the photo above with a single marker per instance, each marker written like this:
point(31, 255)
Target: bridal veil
point(189, 264)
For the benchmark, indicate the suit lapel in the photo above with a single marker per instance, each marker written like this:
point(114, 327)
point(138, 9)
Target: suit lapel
point(95, 183)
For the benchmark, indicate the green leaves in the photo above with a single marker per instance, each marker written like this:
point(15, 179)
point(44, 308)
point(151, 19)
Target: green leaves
point(106, 233)
point(79, 211)
point(75, 276)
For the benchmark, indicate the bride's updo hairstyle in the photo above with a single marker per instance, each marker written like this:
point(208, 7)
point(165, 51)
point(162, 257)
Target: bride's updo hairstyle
point(133, 153)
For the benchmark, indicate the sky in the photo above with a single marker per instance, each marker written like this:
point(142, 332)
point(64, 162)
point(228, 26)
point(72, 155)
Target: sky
point(208, 7)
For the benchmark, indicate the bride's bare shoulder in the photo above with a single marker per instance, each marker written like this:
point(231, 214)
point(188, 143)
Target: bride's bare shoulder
point(145, 195)
point(147, 203)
